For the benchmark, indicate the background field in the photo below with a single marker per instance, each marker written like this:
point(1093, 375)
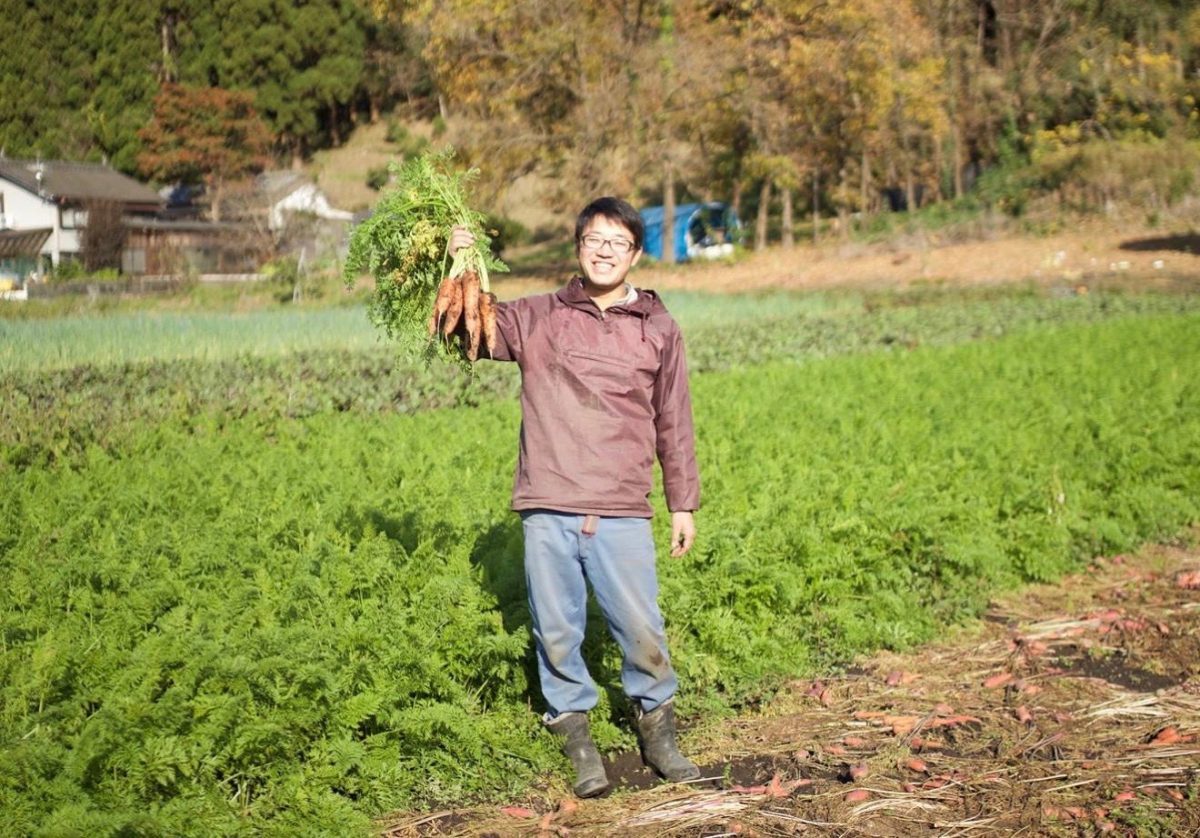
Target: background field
point(252, 597)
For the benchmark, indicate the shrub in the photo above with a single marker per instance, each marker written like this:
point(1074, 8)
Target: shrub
point(407, 144)
point(506, 232)
point(378, 177)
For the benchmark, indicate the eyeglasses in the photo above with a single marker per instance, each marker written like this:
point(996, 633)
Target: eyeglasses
point(595, 242)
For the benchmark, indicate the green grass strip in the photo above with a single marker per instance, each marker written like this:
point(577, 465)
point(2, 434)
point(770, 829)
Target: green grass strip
point(232, 627)
point(729, 329)
point(49, 414)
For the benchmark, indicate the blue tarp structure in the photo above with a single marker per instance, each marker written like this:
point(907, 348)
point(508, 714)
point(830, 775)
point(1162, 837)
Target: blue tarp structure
point(700, 230)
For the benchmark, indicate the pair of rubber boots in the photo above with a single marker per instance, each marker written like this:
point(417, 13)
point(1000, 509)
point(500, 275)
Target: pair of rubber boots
point(656, 734)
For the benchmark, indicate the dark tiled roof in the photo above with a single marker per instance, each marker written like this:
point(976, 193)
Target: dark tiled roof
point(78, 181)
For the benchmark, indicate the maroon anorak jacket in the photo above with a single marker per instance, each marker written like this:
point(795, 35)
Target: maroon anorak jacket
point(602, 393)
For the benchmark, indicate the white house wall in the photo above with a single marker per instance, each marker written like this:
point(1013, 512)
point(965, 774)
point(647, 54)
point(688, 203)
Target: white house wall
point(308, 199)
point(23, 210)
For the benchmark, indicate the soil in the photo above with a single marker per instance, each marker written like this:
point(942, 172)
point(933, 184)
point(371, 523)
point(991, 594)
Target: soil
point(1094, 254)
point(1069, 709)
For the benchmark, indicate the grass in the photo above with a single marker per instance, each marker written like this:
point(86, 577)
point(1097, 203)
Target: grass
point(763, 324)
point(317, 291)
point(121, 338)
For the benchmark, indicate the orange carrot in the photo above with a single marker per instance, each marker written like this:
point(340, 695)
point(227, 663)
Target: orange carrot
point(997, 680)
point(454, 312)
point(441, 304)
point(487, 316)
point(470, 286)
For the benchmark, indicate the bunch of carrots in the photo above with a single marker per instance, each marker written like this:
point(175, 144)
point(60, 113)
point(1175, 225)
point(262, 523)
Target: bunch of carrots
point(463, 306)
point(403, 244)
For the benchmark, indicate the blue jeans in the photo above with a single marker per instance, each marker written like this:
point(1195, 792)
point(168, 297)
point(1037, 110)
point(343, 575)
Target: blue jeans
point(618, 561)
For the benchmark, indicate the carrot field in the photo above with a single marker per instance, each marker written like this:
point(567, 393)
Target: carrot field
point(279, 592)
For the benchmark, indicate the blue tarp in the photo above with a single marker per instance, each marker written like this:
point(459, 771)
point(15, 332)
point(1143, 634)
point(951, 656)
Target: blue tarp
point(697, 226)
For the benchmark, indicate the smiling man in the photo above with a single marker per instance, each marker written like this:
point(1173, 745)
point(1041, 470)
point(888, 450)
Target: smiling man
point(604, 391)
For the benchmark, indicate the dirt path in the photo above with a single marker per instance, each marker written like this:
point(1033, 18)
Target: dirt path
point(1097, 253)
point(1071, 709)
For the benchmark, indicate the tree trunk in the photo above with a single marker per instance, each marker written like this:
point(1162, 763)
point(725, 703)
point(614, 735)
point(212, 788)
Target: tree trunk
point(958, 162)
point(217, 190)
point(787, 234)
point(843, 207)
point(816, 206)
point(668, 231)
point(941, 154)
point(764, 207)
point(335, 131)
point(864, 184)
point(167, 73)
point(736, 199)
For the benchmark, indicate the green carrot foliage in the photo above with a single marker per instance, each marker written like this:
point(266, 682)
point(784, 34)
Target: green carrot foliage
point(223, 623)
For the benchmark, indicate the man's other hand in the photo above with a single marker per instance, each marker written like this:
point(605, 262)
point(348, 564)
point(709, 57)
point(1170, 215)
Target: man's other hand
point(683, 533)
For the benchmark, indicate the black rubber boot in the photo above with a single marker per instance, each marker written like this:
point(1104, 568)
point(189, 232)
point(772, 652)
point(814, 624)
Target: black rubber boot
point(656, 731)
point(590, 779)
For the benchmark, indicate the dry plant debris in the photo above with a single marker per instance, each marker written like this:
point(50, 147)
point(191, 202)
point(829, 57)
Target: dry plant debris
point(1073, 709)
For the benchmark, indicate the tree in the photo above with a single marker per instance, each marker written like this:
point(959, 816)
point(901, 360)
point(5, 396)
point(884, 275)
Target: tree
point(81, 82)
point(303, 60)
point(103, 237)
point(605, 101)
point(204, 135)
point(393, 69)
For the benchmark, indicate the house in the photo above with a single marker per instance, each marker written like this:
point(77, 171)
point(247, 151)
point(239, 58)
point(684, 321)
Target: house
point(54, 196)
point(189, 246)
point(20, 257)
point(289, 192)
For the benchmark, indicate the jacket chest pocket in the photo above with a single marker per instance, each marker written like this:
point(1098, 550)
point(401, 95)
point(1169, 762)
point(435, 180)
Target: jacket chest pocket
point(601, 364)
point(613, 374)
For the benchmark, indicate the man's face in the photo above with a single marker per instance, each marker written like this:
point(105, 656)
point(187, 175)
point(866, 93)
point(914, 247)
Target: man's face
point(601, 259)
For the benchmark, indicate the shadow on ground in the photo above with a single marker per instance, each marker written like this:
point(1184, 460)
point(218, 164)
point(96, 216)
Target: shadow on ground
point(1184, 243)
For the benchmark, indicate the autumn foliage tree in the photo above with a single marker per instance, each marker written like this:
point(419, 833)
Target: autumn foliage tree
point(204, 135)
point(848, 107)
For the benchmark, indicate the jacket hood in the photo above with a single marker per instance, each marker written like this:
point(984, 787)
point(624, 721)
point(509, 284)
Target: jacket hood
point(646, 304)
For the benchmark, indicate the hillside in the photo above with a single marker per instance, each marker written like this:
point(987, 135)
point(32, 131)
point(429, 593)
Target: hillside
point(342, 174)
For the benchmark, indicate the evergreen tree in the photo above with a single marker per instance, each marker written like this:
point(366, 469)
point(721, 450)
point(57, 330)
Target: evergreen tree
point(303, 60)
point(42, 83)
point(122, 69)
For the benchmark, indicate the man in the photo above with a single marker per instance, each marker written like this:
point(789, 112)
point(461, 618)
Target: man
point(604, 390)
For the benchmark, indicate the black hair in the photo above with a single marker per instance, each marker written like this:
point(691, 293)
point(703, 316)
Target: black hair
point(614, 209)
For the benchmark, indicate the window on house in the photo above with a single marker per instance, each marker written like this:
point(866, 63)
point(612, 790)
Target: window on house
point(133, 260)
point(72, 218)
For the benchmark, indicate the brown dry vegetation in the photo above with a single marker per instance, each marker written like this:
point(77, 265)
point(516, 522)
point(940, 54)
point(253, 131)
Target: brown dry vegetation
point(1071, 709)
point(1089, 254)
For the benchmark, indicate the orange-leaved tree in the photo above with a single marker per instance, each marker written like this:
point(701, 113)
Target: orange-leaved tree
point(204, 135)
